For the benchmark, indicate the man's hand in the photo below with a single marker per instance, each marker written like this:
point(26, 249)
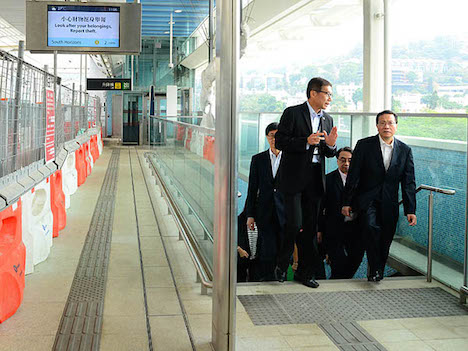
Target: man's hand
point(346, 211)
point(315, 138)
point(330, 139)
point(319, 237)
point(242, 252)
point(251, 223)
point(412, 220)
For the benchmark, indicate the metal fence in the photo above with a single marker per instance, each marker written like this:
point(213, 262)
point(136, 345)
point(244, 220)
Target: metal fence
point(23, 113)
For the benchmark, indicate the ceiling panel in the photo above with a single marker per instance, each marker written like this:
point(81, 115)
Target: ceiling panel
point(156, 16)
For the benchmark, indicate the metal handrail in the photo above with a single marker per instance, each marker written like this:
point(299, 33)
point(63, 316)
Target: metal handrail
point(183, 229)
point(210, 131)
point(432, 190)
point(373, 114)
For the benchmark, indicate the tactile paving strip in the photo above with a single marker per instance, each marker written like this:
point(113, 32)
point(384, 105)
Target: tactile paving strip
point(350, 306)
point(80, 326)
point(336, 313)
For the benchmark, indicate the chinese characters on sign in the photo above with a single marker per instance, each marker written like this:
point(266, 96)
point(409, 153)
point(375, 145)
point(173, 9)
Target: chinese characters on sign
point(50, 126)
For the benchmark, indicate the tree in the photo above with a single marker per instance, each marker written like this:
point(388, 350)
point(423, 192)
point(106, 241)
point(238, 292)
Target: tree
point(349, 73)
point(261, 103)
point(357, 96)
point(411, 76)
point(396, 105)
point(431, 100)
point(339, 103)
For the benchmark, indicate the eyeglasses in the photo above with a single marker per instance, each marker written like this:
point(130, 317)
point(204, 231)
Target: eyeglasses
point(330, 95)
point(389, 123)
point(343, 159)
point(269, 136)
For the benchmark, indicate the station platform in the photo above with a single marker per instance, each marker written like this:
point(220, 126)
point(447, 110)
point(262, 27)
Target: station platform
point(119, 278)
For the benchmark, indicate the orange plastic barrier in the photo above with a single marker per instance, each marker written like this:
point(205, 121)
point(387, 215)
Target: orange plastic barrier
point(189, 139)
point(180, 133)
point(86, 160)
point(209, 149)
point(94, 148)
point(80, 165)
point(57, 203)
point(12, 261)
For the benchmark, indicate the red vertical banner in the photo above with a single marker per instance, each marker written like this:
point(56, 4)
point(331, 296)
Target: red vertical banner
point(50, 126)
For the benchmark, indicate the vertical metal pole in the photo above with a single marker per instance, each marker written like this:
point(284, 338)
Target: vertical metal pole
point(131, 76)
point(387, 57)
point(429, 236)
point(86, 73)
point(210, 31)
point(73, 112)
point(225, 243)
point(171, 65)
point(16, 116)
point(44, 106)
point(81, 73)
point(55, 79)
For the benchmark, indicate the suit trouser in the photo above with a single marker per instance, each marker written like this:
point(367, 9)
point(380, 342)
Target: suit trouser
point(378, 237)
point(345, 251)
point(301, 211)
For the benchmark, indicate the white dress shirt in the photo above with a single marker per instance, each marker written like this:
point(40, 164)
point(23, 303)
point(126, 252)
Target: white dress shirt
point(387, 151)
point(315, 121)
point(343, 177)
point(275, 161)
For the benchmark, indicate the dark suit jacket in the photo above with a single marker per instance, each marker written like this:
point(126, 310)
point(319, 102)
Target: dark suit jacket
point(331, 220)
point(265, 204)
point(294, 128)
point(260, 202)
point(368, 182)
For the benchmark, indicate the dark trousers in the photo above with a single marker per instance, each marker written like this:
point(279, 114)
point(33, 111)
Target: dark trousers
point(345, 251)
point(378, 236)
point(301, 211)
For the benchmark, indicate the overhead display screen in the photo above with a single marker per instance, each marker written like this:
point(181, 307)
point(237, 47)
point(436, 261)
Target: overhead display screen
point(83, 26)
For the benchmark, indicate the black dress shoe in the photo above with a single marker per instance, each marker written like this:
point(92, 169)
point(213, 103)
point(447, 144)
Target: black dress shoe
point(311, 283)
point(377, 277)
point(280, 275)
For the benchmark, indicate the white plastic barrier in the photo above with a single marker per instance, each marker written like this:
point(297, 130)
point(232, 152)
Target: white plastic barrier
point(90, 157)
point(69, 178)
point(99, 143)
point(37, 222)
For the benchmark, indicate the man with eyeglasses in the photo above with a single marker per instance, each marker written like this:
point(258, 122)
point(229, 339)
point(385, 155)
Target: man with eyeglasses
point(306, 136)
point(264, 207)
point(341, 235)
point(380, 164)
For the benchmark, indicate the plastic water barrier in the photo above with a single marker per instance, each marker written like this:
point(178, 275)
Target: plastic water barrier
point(69, 177)
point(37, 220)
point(94, 147)
point(88, 158)
point(209, 149)
point(80, 165)
point(99, 137)
point(57, 203)
point(12, 261)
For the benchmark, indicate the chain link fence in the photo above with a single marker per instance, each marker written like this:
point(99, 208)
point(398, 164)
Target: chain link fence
point(23, 113)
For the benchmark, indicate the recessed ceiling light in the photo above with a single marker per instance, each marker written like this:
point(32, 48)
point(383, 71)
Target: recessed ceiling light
point(177, 11)
point(166, 32)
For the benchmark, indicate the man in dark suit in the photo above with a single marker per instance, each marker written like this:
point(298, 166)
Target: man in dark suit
point(380, 164)
point(264, 206)
point(305, 135)
point(340, 235)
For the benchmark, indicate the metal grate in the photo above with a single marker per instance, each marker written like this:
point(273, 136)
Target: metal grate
point(80, 326)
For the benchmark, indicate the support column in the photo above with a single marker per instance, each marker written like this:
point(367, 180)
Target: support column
point(373, 69)
point(225, 241)
point(373, 92)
